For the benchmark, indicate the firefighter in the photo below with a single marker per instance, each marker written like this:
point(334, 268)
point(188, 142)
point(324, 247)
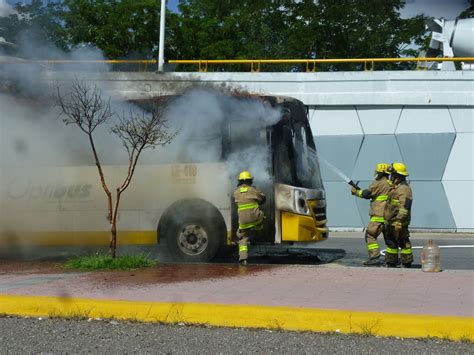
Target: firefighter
point(397, 218)
point(251, 217)
point(377, 192)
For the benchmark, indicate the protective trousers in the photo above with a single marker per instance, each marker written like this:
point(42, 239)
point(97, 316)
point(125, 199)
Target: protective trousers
point(371, 234)
point(243, 237)
point(394, 241)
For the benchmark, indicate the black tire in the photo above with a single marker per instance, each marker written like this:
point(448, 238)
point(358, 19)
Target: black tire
point(194, 231)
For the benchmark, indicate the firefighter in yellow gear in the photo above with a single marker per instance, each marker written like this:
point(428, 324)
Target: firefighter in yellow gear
point(397, 216)
point(377, 193)
point(251, 217)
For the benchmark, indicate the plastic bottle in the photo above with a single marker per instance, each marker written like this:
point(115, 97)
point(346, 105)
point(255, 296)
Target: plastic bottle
point(431, 257)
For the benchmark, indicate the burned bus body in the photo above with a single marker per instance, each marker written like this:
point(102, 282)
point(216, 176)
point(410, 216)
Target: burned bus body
point(180, 196)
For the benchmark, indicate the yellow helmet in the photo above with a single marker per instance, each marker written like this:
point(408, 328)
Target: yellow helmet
point(400, 169)
point(382, 168)
point(245, 175)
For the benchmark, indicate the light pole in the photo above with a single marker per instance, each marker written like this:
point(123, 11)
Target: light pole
point(161, 50)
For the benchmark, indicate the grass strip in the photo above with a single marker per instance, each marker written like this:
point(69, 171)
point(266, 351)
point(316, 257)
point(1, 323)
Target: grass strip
point(106, 262)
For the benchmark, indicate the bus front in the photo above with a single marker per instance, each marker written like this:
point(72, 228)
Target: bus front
point(299, 197)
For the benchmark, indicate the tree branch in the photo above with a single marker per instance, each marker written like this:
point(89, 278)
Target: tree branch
point(83, 106)
point(140, 130)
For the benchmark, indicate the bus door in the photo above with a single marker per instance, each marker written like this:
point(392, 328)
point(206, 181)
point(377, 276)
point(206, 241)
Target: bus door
point(247, 147)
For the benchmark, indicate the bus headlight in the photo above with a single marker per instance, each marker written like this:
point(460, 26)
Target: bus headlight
point(291, 199)
point(300, 202)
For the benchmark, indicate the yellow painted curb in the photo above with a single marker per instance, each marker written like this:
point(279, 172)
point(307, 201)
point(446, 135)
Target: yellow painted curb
point(248, 316)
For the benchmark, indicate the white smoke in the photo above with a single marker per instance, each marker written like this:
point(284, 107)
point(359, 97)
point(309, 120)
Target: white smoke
point(34, 140)
point(204, 115)
point(6, 9)
point(34, 137)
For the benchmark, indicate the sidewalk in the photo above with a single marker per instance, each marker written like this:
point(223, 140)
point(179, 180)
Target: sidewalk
point(376, 301)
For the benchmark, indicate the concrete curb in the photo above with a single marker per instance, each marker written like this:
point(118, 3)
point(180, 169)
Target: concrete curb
point(245, 316)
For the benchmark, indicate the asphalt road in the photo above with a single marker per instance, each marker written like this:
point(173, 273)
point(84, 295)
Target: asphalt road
point(349, 249)
point(457, 250)
point(52, 336)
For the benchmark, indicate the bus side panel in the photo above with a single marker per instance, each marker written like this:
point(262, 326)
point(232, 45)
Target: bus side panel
point(67, 206)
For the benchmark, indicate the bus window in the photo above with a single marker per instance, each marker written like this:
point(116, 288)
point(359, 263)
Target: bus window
point(306, 160)
point(282, 155)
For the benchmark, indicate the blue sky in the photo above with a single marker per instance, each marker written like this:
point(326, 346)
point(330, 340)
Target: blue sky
point(173, 5)
point(448, 9)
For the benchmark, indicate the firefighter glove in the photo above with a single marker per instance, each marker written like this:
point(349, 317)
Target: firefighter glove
point(354, 191)
point(397, 226)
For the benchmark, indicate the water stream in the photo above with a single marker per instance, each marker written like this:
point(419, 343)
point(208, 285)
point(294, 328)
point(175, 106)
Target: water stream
point(335, 170)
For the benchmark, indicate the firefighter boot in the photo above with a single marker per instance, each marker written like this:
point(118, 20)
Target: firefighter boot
point(374, 261)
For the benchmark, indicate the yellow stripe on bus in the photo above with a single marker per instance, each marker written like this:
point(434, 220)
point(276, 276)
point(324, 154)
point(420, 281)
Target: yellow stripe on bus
point(99, 238)
point(76, 238)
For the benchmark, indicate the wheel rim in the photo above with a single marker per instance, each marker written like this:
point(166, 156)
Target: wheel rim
point(193, 240)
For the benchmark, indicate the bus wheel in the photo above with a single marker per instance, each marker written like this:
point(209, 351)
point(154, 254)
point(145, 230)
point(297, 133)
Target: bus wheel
point(195, 231)
point(193, 240)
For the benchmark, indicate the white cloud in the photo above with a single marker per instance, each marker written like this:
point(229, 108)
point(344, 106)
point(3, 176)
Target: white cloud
point(447, 9)
point(6, 9)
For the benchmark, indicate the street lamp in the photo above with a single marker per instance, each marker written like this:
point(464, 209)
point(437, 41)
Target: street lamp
point(161, 50)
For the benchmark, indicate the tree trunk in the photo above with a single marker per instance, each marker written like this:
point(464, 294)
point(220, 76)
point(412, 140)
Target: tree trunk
point(113, 240)
point(113, 226)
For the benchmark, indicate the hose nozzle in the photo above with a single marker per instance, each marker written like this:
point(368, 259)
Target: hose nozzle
point(354, 184)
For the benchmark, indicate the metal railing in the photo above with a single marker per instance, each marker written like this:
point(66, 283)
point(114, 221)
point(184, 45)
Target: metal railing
point(254, 64)
point(369, 63)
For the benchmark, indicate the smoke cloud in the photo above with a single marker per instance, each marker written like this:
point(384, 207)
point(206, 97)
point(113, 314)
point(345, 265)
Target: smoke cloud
point(36, 146)
point(41, 158)
point(202, 115)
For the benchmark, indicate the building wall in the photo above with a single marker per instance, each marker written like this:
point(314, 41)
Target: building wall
point(436, 143)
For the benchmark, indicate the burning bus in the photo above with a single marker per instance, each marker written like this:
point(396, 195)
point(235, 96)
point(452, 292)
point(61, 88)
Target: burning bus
point(181, 195)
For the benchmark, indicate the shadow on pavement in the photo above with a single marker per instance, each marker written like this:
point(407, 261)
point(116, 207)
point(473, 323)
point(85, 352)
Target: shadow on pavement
point(282, 255)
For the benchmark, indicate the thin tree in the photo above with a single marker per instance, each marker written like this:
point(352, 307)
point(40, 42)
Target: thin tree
point(84, 106)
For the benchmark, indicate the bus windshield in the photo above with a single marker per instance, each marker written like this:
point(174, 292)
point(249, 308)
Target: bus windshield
point(305, 158)
point(295, 159)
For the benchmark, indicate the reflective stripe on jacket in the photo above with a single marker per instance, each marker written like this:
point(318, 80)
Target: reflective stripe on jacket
point(377, 192)
point(398, 208)
point(248, 200)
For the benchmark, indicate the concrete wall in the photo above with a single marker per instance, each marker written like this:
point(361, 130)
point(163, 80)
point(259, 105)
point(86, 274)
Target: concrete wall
point(436, 143)
point(337, 88)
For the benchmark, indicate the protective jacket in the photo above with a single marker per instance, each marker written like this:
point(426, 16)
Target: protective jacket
point(248, 200)
point(377, 192)
point(398, 208)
